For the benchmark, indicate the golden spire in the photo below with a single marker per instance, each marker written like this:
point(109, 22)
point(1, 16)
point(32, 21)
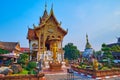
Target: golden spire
point(51, 11)
point(87, 38)
point(45, 6)
point(87, 42)
point(45, 14)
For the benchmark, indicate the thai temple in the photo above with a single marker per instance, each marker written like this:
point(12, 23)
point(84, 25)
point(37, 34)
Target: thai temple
point(88, 52)
point(45, 39)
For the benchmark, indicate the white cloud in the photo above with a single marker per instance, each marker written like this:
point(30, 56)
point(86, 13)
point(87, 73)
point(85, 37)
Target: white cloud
point(117, 26)
point(117, 13)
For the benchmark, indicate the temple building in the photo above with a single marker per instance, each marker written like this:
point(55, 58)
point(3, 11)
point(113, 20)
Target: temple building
point(43, 37)
point(116, 52)
point(11, 47)
point(88, 52)
point(115, 44)
point(9, 50)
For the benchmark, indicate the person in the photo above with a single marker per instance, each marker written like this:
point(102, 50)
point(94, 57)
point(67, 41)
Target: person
point(39, 65)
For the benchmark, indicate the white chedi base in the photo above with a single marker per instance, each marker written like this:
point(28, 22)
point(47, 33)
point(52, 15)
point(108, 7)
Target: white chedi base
point(63, 65)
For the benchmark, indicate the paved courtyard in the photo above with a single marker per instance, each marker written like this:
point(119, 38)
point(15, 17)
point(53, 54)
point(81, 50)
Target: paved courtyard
point(64, 76)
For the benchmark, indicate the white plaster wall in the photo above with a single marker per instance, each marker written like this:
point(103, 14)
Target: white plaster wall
point(31, 43)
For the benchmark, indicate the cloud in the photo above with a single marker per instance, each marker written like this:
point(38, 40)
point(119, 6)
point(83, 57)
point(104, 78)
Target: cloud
point(117, 13)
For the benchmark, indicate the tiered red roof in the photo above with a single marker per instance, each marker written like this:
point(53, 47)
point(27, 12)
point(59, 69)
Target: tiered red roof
point(43, 20)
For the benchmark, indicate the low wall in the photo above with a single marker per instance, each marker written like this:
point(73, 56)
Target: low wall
point(97, 73)
point(23, 77)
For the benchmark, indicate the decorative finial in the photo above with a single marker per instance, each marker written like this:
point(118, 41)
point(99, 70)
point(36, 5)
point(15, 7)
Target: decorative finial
point(51, 11)
point(28, 27)
point(87, 42)
point(52, 6)
point(34, 26)
point(67, 30)
point(45, 5)
point(60, 22)
point(86, 37)
point(118, 39)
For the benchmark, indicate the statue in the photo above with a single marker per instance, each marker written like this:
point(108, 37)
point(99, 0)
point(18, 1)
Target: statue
point(55, 65)
point(95, 64)
point(55, 49)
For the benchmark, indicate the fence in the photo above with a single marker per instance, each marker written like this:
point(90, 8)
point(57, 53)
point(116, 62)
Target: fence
point(70, 74)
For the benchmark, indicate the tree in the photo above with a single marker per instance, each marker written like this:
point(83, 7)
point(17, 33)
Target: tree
point(106, 51)
point(23, 59)
point(31, 65)
point(108, 55)
point(71, 52)
point(2, 51)
point(97, 54)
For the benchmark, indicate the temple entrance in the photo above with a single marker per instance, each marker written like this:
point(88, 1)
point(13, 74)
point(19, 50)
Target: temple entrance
point(47, 44)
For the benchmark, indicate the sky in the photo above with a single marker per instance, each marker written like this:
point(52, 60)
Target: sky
point(100, 19)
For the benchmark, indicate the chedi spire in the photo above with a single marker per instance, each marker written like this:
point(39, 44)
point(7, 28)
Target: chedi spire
point(87, 42)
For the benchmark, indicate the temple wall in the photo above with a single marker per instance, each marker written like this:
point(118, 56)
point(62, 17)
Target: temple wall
point(31, 44)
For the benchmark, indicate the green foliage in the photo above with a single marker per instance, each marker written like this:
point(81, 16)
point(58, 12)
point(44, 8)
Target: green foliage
point(23, 59)
point(24, 71)
point(83, 66)
point(31, 65)
point(108, 55)
point(2, 51)
point(115, 48)
point(103, 45)
point(97, 53)
point(79, 66)
point(107, 51)
point(105, 68)
point(81, 63)
point(8, 62)
point(32, 72)
point(71, 52)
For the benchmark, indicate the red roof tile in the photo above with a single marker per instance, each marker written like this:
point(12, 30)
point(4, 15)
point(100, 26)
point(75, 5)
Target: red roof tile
point(25, 49)
point(31, 34)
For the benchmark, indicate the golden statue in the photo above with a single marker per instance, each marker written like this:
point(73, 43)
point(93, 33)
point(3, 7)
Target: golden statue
point(55, 49)
point(95, 64)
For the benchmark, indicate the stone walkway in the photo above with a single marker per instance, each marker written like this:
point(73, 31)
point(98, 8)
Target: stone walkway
point(63, 76)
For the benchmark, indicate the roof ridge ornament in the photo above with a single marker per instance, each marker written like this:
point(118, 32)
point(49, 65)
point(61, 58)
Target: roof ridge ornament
point(45, 15)
point(51, 11)
point(45, 5)
point(52, 6)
